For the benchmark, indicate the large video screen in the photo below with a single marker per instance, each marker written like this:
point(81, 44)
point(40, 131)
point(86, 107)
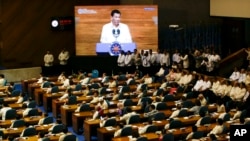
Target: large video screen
point(230, 8)
point(141, 23)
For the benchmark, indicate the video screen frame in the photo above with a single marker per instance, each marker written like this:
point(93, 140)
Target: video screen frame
point(142, 21)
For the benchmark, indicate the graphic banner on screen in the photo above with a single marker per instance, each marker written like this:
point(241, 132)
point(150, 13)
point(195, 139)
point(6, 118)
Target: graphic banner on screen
point(138, 29)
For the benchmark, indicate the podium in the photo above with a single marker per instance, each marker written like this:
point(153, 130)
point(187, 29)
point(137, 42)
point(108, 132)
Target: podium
point(114, 49)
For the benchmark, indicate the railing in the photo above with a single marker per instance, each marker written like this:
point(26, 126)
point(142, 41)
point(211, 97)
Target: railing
point(235, 59)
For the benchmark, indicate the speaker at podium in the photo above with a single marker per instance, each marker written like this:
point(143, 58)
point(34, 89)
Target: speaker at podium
point(114, 49)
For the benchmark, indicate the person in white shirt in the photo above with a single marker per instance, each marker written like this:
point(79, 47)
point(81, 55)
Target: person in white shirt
point(242, 76)
point(237, 92)
point(85, 80)
point(176, 112)
point(41, 136)
point(128, 61)
point(218, 129)
point(48, 59)
point(63, 57)
point(176, 57)
point(66, 82)
point(104, 119)
point(3, 110)
point(209, 67)
point(115, 31)
point(196, 108)
point(58, 121)
point(220, 106)
point(121, 60)
point(64, 134)
point(20, 98)
point(160, 74)
point(61, 77)
point(2, 80)
point(152, 111)
point(126, 116)
point(165, 59)
point(66, 95)
point(95, 97)
point(112, 83)
point(130, 79)
point(40, 79)
point(152, 57)
point(190, 135)
point(102, 103)
point(146, 61)
point(147, 79)
point(202, 99)
point(26, 110)
point(40, 122)
point(144, 128)
point(202, 115)
point(185, 79)
point(119, 128)
point(185, 60)
point(235, 74)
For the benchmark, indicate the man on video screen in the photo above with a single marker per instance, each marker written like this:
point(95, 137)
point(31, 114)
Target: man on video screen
point(115, 31)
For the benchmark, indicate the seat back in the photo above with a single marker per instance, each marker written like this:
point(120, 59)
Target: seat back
point(11, 114)
point(125, 89)
point(226, 117)
point(203, 109)
point(110, 122)
point(15, 93)
point(84, 107)
point(144, 87)
point(151, 129)
point(30, 131)
point(78, 87)
point(33, 112)
point(168, 137)
point(134, 119)
point(168, 97)
point(95, 86)
point(142, 139)
point(243, 114)
point(120, 95)
point(161, 106)
point(159, 92)
point(183, 113)
point(122, 77)
point(18, 123)
point(190, 95)
point(175, 124)
point(72, 100)
point(159, 116)
point(187, 104)
point(132, 82)
point(57, 129)
point(32, 104)
point(46, 84)
point(205, 120)
point(48, 120)
point(71, 137)
point(102, 90)
point(55, 89)
point(126, 131)
point(198, 134)
point(146, 100)
point(128, 102)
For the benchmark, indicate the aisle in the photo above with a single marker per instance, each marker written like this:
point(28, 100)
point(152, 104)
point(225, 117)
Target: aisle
point(80, 137)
